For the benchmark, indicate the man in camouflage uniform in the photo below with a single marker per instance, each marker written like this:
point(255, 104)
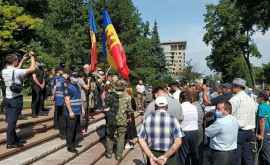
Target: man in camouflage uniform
point(118, 104)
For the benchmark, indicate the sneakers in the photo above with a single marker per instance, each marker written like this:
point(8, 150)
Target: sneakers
point(129, 146)
point(72, 150)
point(108, 156)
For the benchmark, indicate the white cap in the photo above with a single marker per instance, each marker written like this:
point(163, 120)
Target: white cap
point(161, 101)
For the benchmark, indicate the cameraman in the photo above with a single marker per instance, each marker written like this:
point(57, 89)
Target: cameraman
point(13, 77)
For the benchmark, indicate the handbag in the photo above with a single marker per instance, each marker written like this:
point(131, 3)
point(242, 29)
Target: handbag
point(15, 87)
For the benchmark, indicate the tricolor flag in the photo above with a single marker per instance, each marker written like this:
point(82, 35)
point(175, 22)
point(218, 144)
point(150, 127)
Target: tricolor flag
point(93, 31)
point(116, 55)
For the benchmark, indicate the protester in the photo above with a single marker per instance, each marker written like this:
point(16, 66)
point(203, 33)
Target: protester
point(190, 150)
point(140, 90)
point(225, 95)
point(244, 110)
point(118, 107)
point(74, 111)
point(174, 107)
point(38, 87)
point(175, 91)
point(58, 93)
point(160, 135)
point(264, 127)
point(223, 135)
point(13, 77)
point(84, 84)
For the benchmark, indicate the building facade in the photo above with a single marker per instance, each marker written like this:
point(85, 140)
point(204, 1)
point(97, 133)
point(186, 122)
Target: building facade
point(175, 55)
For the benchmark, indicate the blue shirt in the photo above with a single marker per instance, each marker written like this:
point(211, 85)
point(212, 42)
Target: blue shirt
point(264, 112)
point(223, 133)
point(59, 82)
point(160, 129)
point(73, 91)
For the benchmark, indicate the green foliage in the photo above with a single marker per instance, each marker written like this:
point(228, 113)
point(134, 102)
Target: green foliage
point(63, 35)
point(16, 28)
point(231, 42)
point(254, 13)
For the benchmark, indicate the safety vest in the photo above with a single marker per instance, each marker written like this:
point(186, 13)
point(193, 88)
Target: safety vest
point(59, 91)
point(73, 90)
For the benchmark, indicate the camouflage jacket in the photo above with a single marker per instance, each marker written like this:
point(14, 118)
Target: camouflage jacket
point(120, 107)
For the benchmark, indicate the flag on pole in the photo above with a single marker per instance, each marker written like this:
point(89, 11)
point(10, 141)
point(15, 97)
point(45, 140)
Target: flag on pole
point(93, 31)
point(116, 55)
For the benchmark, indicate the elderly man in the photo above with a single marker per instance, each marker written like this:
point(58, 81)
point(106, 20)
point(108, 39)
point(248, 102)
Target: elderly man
point(174, 106)
point(244, 110)
point(160, 135)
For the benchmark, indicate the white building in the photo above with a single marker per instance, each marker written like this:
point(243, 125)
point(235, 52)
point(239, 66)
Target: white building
point(174, 52)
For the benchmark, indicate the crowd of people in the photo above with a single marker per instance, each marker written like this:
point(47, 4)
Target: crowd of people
point(224, 124)
point(189, 124)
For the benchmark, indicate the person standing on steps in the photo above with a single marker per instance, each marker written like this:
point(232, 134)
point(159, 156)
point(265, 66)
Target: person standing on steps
point(73, 111)
point(118, 108)
point(58, 94)
point(38, 87)
point(13, 76)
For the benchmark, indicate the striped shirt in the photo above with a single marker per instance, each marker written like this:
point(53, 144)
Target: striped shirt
point(160, 129)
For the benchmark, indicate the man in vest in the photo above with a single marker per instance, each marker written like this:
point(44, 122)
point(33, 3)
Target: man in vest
point(118, 104)
point(58, 93)
point(73, 111)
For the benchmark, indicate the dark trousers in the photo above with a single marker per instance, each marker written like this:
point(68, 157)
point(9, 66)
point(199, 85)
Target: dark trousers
point(245, 148)
point(59, 119)
point(72, 130)
point(13, 108)
point(265, 152)
point(189, 151)
point(131, 128)
point(221, 157)
point(37, 100)
point(171, 161)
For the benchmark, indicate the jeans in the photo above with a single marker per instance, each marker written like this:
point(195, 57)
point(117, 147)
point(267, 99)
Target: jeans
point(265, 152)
point(245, 148)
point(13, 108)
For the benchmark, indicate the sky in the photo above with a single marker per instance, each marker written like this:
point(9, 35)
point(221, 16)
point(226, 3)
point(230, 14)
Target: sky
point(183, 20)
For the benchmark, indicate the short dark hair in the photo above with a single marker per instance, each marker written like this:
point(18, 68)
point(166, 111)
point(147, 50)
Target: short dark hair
point(11, 58)
point(157, 89)
point(227, 106)
point(185, 96)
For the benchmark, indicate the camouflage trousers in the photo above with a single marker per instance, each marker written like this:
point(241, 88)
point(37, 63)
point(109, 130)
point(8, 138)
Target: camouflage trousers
point(115, 134)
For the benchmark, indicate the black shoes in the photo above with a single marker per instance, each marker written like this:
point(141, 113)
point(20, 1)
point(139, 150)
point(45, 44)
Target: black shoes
point(14, 146)
point(72, 150)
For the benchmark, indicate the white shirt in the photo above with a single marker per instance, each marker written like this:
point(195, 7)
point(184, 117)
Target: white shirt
point(176, 94)
point(223, 133)
point(7, 77)
point(244, 110)
point(140, 88)
point(190, 113)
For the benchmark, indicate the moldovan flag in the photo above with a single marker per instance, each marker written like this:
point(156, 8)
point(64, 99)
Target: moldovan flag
point(115, 49)
point(93, 31)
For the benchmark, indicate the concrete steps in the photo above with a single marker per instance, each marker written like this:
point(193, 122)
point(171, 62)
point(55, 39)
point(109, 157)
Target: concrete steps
point(37, 140)
point(44, 147)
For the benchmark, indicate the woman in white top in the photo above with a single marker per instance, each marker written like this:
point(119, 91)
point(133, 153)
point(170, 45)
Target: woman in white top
point(189, 151)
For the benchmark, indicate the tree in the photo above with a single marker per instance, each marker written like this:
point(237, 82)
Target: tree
point(188, 75)
point(63, 35)
point(16, 29)
point(157, 50)
point(232, 45)
point(254, 12)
